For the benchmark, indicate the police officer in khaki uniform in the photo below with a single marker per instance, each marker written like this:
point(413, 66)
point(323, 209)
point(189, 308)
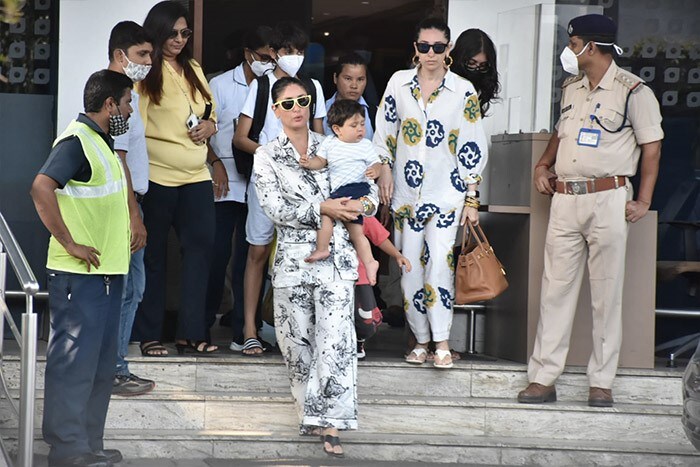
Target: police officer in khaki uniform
point(609, 118)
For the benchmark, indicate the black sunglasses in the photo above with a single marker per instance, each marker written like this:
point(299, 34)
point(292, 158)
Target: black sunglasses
point(288, 104)
point(424, 47)
point(185, 33)
point(473, 65)
point(263, 57)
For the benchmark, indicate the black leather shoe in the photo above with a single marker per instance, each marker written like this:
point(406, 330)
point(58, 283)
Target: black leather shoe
point(112, 455)
point(83, 460)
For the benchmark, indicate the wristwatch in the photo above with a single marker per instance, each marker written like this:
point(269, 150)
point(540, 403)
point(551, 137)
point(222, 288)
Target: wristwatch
point(473, 193)
point(367, 205)
point(216, 126)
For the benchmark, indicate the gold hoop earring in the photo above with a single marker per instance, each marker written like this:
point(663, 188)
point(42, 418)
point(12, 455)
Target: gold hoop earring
point(416, 60)
point(448, 65)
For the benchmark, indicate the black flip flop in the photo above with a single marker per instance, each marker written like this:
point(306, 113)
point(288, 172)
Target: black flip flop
point(333, 441)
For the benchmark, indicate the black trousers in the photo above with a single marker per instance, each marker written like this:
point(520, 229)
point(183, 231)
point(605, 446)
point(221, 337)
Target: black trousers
point(80, 360)
point(230, 220)
point(189, 209)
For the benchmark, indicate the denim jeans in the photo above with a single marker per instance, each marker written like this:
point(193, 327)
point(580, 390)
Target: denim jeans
point(134, 285)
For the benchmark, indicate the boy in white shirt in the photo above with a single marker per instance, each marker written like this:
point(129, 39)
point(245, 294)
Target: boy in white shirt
point(352, 164)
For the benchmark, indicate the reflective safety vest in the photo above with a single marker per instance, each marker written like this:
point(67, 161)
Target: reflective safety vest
point(96, 212)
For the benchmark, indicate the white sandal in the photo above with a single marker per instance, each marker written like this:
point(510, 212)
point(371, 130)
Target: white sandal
point(420, 356)
point(440, 356)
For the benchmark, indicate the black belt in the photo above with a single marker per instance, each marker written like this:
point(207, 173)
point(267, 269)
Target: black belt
point(139, 197)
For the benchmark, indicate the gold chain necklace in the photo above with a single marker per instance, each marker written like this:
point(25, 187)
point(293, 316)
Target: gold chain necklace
point(177, 81)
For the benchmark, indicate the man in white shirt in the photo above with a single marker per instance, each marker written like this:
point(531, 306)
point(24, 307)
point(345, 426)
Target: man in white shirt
point(287, 49)
point(130, 53)
point(230, 90)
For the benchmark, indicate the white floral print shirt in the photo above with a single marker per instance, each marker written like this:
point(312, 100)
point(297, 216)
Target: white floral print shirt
point(435, 150)
point(291, 196)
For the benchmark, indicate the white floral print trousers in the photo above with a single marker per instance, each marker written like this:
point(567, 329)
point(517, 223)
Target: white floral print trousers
point(315, 329)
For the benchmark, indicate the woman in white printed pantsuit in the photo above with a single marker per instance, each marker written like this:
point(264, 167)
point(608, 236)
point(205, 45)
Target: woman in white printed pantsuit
point(429, 131)
point(313, 302)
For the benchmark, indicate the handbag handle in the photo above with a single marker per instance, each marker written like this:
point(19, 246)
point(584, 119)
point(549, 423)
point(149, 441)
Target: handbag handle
point(476, 232)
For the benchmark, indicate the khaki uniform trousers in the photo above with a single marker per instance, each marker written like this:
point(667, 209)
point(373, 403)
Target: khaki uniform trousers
point(591, 226)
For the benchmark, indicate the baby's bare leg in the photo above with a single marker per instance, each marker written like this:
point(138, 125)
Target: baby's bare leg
point(364, 251)
point(323, 240)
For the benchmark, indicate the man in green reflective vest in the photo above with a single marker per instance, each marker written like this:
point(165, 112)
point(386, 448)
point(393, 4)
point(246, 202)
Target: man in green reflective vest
point(80, 195)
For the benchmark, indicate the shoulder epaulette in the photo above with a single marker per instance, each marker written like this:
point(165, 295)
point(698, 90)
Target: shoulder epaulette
point(572, 79)
point(628, 80)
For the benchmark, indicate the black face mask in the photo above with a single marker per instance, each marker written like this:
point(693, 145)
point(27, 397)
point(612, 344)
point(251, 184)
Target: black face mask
point(474, 76)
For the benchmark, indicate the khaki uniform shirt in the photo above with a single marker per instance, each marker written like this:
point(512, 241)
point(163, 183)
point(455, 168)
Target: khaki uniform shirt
point(617, 153)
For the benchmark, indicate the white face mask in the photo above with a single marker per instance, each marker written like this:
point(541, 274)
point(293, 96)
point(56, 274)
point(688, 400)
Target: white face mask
point(260, 68)
point(290, 64)
point(569, 59)
point(135, 71)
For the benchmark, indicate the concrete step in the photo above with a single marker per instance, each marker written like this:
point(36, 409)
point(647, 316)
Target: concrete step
point(395, 414)
point(229, 373)
point(286, 448)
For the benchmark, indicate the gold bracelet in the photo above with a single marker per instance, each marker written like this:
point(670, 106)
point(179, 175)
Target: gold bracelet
point(470, 204)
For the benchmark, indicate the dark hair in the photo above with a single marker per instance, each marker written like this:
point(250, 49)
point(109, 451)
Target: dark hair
point(251, 38)
point(433, 23)
point(342, 110)
point(232, 46)
point(352, 58)
point(102, 85)
point(470, 43)
point(159, 24)
point(124, 35)
point(282, 84)
point(604, 49)
point(289, 36)
point(257, 37)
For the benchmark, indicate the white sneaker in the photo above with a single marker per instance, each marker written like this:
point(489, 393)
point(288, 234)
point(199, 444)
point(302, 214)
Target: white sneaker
point(361, 349)
point(235, 347)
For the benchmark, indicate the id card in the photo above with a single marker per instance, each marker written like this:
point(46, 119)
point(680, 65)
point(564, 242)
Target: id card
point(589, 137)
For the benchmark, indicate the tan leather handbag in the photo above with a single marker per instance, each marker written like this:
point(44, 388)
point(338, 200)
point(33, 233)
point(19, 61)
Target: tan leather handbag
point(479, 275)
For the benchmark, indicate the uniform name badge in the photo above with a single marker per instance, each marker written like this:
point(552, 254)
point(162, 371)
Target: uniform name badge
point(589, 137)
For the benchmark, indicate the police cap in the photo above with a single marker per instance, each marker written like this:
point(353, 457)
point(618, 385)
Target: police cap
point(592, 25)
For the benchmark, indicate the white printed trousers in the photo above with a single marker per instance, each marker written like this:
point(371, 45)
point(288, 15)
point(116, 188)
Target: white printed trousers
point(315, 329)
point(427, 240)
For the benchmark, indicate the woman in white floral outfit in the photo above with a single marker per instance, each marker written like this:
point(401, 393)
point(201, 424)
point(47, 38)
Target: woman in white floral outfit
point(313, 302)
point(431, 139)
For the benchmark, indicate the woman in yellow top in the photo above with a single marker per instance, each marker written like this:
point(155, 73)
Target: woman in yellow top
point(177, 110)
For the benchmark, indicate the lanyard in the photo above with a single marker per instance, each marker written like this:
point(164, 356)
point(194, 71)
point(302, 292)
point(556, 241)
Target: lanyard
point(594, 118)
point(177, 81)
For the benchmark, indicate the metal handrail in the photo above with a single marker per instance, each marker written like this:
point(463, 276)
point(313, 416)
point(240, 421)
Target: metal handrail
point(678, 313)
point(27, 339)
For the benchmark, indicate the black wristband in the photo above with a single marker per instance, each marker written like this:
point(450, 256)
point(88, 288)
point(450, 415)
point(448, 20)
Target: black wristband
point(215, 161)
